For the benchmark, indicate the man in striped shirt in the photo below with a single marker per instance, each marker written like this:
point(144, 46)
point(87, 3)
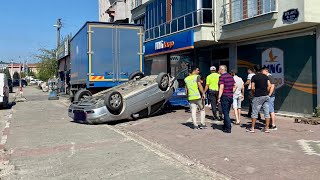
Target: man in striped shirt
point(226, 89)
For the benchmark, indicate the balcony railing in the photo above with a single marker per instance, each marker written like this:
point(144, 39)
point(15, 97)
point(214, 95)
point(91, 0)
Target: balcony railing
point(238, 10)
point(204, 16)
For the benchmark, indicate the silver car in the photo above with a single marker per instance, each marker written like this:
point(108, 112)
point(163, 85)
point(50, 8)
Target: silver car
point(137, 98)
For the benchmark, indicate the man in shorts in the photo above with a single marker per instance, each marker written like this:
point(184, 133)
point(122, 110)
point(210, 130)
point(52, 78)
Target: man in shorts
point(260, 85)
point(238, 96)
point(272, 95)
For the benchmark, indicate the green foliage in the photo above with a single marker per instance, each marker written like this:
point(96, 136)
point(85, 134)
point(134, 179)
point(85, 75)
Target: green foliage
point(31, 73)
point(317, 111)
point(23, 74)
point(16, 75)
point(48, 65)
point(6, 71)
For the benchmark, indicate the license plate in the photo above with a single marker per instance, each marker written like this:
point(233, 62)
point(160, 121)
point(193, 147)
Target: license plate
point(80, 116)
point(181, 93)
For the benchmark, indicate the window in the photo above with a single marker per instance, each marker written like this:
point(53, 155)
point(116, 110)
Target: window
point(236, 10)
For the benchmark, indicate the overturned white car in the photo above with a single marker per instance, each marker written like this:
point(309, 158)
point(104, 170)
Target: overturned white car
point(137, 98)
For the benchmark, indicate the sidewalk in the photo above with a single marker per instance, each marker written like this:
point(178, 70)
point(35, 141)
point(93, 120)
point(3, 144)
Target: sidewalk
point(291, 152)
point(43, 143)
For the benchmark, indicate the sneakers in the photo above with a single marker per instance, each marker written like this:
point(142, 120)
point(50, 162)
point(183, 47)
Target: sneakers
point(196, 127)
point(273, 127)
point(203, 126)
point(200, 127)
point(207, 105)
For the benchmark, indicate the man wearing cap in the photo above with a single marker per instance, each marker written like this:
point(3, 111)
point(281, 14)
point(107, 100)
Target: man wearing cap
point(213, 87)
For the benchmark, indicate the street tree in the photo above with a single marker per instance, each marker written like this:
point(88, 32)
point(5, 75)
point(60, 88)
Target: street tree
point(6, 71)
point(48, 64)
point(16, 75)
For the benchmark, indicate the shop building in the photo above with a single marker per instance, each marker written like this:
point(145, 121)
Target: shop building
point(64, 65)
point(283, 35)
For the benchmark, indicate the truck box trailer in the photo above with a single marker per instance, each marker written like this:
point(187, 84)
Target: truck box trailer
point(103, 55)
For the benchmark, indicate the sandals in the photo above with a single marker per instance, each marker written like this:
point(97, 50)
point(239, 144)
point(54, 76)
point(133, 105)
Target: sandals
point(265, 130)
point(250, 130)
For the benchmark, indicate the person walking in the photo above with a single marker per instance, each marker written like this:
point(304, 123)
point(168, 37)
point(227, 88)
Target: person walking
point(238, 96)
point(226, 89)
point(196, 96)
point(212, 87)
point(251, 73)
point(260, 85)
point(272, 95)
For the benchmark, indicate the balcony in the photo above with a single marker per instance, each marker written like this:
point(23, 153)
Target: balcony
point(240, 10)
point(204, 16)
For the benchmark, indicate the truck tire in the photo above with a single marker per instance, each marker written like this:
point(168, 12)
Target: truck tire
point(81, 94)
point(136, 75)
point(114, 102)
point(163, 81)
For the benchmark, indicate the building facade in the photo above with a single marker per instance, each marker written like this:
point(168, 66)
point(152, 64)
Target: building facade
point(118, 11)
point(282, 35)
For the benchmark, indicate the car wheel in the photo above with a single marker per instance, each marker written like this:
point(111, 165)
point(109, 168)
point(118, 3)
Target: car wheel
point(163, 81)
point(81, 94)
point(136, 75)
point(114, 102)
point(24, 85)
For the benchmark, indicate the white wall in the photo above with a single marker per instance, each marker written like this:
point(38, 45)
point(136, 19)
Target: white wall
point(103, 6)
point(258, 27)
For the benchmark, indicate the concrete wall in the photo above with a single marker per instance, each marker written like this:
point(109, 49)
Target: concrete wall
point(103, 6)
point(269, 23)
point(312, 13)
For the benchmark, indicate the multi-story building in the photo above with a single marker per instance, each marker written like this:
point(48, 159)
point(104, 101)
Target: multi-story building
point(283, 35)
point(115, 11)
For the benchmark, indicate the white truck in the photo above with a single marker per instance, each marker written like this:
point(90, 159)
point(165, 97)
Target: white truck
point(4, 91)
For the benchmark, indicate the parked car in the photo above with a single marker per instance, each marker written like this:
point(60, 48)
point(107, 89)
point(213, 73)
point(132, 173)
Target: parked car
point(16, 82)
point(4, 90)
point(10, 85)
point(137, 98)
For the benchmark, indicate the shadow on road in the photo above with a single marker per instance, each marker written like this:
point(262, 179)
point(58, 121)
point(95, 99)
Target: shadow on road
point(9, 106)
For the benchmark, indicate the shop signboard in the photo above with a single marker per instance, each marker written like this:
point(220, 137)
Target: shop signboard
point(272, 58)
point(290, 16)
point(63, 50)
point(179, 41)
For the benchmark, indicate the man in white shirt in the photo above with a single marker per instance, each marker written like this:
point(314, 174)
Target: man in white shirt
point(238, 96)
point(251, 73)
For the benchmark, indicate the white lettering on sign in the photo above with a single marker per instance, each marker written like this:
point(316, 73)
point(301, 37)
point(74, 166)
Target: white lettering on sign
point(272, 58)
point(163, 45)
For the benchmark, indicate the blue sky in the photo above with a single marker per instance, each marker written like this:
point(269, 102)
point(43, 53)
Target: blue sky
point(27, 25)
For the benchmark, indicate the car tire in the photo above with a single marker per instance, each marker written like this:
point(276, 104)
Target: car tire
point(114, 102)
point(80, 94)
point(136, 75)
point(163, 81)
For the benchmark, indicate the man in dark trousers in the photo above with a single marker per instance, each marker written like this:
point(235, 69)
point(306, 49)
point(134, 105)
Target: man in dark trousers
point(226, 89)
point(260, 85)
point(213, 87)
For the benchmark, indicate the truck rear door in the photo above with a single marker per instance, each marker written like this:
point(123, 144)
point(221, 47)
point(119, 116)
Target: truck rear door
point(101, 53)
point(129, 51)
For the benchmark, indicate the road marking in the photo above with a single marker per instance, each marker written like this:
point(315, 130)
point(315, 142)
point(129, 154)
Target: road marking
point(4, 139)
point(310, 147)
point(72, 149)
point(7, 125)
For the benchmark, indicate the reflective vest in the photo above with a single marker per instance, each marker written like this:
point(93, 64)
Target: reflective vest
point(192, 86)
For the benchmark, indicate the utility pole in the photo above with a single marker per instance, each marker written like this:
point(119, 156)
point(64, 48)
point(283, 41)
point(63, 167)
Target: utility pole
point(58, 25)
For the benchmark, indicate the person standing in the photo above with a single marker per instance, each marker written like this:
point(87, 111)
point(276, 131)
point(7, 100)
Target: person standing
point(260, 85)
point(226, 89)
point(238, 96)
point(251, 73)
point(213, 87)
point(272, 95)
point(196, 95)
